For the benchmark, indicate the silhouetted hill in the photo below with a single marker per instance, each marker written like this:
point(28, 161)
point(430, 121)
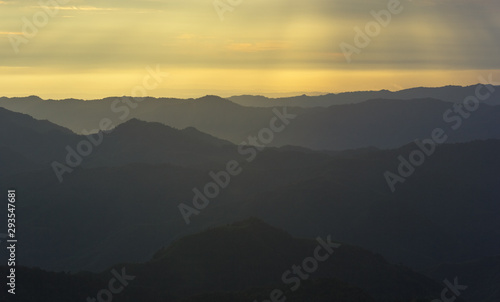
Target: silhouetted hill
point(8, 119)
point(252, 254)
point(248, 259)
point(28, 144)
point(136, 141)
point(380, 123)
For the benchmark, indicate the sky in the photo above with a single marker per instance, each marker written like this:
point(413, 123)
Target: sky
point(92, 49)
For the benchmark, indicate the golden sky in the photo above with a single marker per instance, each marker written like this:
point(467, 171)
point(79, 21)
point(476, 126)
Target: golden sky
point(92, 49)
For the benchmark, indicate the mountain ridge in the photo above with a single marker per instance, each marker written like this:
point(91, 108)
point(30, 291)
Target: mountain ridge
point(380, 123)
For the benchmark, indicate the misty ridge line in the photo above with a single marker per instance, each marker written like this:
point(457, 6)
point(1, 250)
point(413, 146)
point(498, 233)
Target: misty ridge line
point(454, 118)
point(95, 137)
point(350, 97)
point(123, 107)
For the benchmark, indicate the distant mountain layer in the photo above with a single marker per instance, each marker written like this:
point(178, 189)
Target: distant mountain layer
point(250, 260)
point(380, 123)
point(453, 94)
point(29, 144)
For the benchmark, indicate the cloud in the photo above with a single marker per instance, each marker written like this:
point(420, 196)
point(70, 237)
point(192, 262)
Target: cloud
point(116, 35)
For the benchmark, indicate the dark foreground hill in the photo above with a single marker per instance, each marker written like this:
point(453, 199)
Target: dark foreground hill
point(246, 260)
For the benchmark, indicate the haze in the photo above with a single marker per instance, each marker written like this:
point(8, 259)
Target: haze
point(93, 49)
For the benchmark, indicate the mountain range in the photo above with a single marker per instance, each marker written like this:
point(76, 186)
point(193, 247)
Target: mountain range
point(127, 192)
point(447, 93)
point(376, 122)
